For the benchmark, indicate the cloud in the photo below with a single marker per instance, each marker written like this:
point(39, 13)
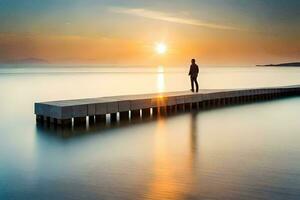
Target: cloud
point(151, 14)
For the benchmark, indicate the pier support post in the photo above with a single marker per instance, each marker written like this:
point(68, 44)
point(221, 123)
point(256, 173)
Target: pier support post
point(175, 108)
point(169, 109)
point(124, 115)
point(180, 107)
point(64, 122)
point(219, 102)
point(232, 101)
point(146, 113)
point(227, 101)
point(246, 99)
point(195, 106)
point(154, 111)
point(113, 117)
point(79, 120)
point(163, 110)
point(223, 102)
point(201, 104)
point(53, 120)
point(135, 114)
point(204, 104)
point(47, 120)
point(216, 103)
point(92, 119)
point(207, 104)
point(39, 118)
point(241, 100)
point(250, 98)
point(212, 103)
point(257, 97)
point(100, 118)
point(187, 106)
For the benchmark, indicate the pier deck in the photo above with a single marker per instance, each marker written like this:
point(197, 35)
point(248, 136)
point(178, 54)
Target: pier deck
point(129, 106)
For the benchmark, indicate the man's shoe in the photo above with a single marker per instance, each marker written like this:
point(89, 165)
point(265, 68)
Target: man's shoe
point(192, 90)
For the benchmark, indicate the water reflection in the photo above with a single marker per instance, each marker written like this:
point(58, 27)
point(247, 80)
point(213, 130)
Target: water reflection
point(173, 176)
point(160, 79)
point(193, 140)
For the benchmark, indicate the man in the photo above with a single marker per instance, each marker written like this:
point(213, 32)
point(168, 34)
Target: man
point(194, 71)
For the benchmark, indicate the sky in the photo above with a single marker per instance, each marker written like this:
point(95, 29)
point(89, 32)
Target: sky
point(124, 32)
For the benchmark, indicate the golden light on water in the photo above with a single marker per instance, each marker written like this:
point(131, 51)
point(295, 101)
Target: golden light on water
point(160, 83)
point(160, 48)
point(173, 177)
point(163, 184)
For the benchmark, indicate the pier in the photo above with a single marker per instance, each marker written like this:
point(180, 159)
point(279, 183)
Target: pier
point(127, 107)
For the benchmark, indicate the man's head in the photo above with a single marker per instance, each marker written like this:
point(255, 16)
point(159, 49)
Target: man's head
point(193, 61)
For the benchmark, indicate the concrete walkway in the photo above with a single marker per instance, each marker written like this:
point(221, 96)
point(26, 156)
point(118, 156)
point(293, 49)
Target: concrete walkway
point(132, 106)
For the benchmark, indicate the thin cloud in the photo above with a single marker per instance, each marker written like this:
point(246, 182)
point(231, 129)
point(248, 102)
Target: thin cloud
point(150, 14)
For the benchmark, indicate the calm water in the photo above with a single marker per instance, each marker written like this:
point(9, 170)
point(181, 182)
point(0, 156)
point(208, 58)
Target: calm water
point(239, 152)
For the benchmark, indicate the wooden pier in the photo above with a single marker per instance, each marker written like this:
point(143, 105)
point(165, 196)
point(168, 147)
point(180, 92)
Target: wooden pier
point(127, 107)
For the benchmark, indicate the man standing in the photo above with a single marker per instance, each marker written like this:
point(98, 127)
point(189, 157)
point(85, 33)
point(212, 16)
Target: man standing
point(194, 71)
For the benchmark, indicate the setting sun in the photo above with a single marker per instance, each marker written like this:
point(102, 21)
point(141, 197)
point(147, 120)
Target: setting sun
point(161, 48)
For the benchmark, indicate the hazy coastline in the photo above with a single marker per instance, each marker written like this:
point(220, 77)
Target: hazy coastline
point(291, 64)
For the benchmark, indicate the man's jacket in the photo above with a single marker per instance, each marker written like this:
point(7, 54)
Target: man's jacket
point(194, 70)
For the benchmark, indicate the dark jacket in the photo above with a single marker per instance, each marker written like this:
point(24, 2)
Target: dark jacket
point(194, 70)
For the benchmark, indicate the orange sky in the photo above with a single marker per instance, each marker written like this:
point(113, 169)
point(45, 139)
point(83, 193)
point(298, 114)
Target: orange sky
point(75, 49)
point(126, 34)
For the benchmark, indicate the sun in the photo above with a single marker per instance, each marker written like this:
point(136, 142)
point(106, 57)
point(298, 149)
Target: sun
point(161, 48)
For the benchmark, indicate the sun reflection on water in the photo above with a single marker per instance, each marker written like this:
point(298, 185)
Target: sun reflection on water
point(163, 184)
point(160, 79)
point(173, 177)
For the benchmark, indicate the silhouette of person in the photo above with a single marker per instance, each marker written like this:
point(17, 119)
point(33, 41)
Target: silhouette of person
point(194, 71)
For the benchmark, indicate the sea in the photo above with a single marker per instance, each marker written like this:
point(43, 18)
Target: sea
point(249, 151)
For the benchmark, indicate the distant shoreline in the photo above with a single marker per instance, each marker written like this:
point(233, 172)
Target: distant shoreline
point(26, 61)
point(292, 64)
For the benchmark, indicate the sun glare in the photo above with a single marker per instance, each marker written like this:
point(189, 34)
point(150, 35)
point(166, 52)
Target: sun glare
point(161, 48)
